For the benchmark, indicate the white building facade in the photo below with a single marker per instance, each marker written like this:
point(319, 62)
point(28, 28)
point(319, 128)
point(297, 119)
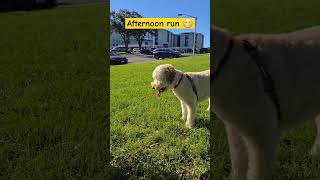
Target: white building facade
point(186, 40)
point(116, 40)
point(163, 39)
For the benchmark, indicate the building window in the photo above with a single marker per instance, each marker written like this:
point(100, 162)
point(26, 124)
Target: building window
point(186, 41)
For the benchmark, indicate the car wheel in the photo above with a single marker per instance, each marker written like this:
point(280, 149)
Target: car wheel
point(156, 56)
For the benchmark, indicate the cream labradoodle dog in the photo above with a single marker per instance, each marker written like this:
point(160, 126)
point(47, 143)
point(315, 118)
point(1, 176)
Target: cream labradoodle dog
point(262, 85)
point(189, 87)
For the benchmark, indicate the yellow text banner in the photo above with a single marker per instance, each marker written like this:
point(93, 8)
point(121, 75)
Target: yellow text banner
point(159, 23)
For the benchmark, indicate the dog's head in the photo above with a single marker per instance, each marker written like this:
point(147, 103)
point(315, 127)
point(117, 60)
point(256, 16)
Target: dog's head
point(163, 77)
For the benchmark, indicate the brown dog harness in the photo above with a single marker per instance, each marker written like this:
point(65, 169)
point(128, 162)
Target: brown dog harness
point(193, 86)
point(191, 82)
point(178, 81)
point(224, 59)
point(255, 55)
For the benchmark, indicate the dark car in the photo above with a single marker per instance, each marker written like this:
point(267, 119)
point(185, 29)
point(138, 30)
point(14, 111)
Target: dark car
point(165, 53)
point(121, 49)
point(204, 50)
point(146, 51)
point(115, 59)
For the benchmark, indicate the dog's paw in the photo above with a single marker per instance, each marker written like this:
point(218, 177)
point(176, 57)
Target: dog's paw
point(315, 151)
point(190, 126)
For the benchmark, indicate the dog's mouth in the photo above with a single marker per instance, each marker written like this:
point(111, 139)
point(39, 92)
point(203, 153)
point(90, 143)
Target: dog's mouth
point(161, 91)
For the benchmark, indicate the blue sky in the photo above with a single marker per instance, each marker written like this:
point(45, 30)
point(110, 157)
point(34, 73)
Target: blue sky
point(170, 8)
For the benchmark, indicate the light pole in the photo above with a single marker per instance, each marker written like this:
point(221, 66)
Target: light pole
point(195, 30)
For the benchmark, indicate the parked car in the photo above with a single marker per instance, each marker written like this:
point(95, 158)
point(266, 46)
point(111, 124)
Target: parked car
point(146, 51)
point(113, 52)
point(135, 50)
point(120, 49)
point(204, 50)
point(165, 53)
point(116, 59)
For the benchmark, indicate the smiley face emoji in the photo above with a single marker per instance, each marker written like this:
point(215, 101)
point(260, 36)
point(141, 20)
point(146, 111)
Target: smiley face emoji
point(187, 23)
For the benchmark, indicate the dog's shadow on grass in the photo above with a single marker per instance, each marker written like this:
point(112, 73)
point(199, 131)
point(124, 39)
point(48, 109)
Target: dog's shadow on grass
point(120, 174)
point(202, 122)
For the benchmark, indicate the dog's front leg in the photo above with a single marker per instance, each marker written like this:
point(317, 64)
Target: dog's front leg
point(184, 110)
point(191, 114)
point(261, 150)
point(316, 146)
point(208, 109)
point(238, 153)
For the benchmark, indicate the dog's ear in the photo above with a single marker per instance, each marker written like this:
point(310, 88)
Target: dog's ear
point(169, 69)
point(171, 73)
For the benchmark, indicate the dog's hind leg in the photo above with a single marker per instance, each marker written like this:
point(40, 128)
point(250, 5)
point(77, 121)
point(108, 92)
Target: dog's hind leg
point(208, 109)
point(184, 110)
point(316, 146)
point(192, 107)
point(238, 153)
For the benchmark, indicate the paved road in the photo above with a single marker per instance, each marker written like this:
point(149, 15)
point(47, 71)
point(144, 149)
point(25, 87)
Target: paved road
point(139, 58)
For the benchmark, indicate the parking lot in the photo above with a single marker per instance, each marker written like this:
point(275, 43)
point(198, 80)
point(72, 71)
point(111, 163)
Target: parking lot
point(140, 58)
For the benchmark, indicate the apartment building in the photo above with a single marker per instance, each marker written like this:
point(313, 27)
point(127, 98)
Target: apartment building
point(163, 38)
point(186, 40)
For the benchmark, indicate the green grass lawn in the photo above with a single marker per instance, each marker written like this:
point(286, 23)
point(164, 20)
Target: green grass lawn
point(148, 137)
point(53, 93)
point(268, 16)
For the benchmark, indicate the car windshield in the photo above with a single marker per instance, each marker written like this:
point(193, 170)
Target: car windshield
point(170, 50)
point(112, 53)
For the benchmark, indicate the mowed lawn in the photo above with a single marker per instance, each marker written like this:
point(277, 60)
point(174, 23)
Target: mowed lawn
point(53, 93)
point(268, 16)
point(148, 137)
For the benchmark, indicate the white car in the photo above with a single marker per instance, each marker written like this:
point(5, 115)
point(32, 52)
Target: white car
point(136, 50)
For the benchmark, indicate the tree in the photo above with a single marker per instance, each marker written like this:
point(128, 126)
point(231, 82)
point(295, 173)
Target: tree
point(139, 35)
point(117, 24)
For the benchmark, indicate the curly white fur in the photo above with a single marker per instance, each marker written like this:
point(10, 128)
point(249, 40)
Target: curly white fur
point(166, 77)
point(249, 114)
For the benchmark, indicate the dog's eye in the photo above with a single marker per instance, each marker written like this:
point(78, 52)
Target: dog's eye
point(162, 89)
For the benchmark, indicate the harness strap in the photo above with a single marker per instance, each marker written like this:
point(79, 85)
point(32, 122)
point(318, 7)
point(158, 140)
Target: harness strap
point(193, 86)
point(220, 66)
point(224, 59)
point(253, 51)
point(178, 81)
